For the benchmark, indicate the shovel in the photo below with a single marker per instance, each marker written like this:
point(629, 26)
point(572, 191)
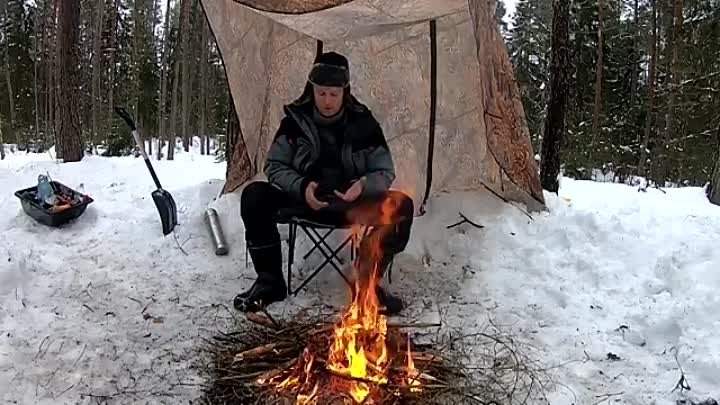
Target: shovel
point(163, 200)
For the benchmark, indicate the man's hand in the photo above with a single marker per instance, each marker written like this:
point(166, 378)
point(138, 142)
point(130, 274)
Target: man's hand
point(353, 192)
point(310, 198)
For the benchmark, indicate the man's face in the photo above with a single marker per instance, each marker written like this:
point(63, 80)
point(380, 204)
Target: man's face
point(328, 100)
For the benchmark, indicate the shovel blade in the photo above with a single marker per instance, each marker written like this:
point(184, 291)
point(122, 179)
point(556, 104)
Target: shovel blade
point(167, 209)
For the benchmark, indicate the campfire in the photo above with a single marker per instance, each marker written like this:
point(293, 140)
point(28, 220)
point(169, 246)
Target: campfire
point(360, 360)
point(357, 357)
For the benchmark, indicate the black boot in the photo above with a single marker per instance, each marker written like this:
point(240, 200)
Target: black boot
point(270, 285)
point(393, 305)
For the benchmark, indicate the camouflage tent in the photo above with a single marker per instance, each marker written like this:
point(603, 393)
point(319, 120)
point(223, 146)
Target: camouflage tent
point(435, 73)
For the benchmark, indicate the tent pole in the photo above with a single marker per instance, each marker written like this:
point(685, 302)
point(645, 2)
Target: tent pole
point(433, 111)
point(319, 49)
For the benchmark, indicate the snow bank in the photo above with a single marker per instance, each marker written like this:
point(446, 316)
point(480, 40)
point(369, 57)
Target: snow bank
point(108, 307)
point(606, 270)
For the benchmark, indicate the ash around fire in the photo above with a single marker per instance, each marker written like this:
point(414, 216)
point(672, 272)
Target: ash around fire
point(329, 359)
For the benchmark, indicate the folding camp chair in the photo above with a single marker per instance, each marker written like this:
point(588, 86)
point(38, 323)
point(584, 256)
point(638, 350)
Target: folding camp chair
point(313, 230)
point(318, 233)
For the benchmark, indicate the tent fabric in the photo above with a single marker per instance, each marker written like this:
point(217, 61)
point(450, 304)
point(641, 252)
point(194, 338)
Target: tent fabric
point(479, 138)
point(341, 19)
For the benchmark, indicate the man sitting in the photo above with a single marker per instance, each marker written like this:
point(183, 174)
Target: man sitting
point(330, 160)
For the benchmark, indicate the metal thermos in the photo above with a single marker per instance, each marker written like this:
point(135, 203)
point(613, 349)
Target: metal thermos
point(216, 233)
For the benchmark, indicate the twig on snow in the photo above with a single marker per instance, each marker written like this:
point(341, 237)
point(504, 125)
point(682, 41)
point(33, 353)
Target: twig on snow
point(606, 397)
point(52, 376)
point(152, 299)
point(64, 391)
point(177, 242)
point(40, 349)
point(80, 356)
point(645, 187)
point(682, 384)
point(413, 325)
point(464, 221)
point(527, 214)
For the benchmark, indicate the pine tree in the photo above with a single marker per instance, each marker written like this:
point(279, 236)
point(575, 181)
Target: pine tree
point(69, 131)
point(559, 83)
point(529, 51)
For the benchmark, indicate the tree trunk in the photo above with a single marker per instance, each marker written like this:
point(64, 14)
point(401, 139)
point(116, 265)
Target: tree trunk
point(2, 142)
point(173, 110)
point(671, 117)
point(634, 56)
point(559, 88)
point(135, 63)
point(151, 49)
point(36, 57)
point(642, 168)
point(111, 69)
point(714, 187)
point(47, 46)
point(96, 69)
point(185, 60)
point(55, 83)
point(599, 72)
point(8, 78)
point(203, 84)
point(69, 141)
point(163, 83)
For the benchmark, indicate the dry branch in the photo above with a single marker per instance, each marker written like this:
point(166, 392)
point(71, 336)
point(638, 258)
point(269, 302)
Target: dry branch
point(261, 320)
point(257, 352)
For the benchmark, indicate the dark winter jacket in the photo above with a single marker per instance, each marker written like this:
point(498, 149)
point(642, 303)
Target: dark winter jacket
point(293, 159)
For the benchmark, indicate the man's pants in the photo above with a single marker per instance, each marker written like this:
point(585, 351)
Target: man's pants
point(390, 215)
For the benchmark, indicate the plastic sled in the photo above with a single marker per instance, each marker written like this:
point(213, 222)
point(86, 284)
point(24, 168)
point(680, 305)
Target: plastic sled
point(43, 214)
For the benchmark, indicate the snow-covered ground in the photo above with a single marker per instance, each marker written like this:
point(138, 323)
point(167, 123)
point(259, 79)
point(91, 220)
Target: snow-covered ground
point(107, 310)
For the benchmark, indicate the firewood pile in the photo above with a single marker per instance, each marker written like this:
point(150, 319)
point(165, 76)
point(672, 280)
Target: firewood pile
point(287, 362)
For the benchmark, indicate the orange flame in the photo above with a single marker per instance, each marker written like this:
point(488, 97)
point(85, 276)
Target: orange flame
point(413, 374)
point(359, 349)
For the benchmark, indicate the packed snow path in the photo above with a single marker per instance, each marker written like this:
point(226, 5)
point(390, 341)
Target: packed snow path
point(106, 310)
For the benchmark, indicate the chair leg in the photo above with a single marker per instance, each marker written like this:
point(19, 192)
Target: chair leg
point(328, 260)
point(321, 241)
point(322, 238)
point(291, 253)
point(352, 248)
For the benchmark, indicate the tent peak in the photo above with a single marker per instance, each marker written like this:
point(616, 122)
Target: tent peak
point(291, 6)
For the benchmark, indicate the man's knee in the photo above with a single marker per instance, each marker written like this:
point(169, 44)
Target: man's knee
point(255, 197)
point(405, 207)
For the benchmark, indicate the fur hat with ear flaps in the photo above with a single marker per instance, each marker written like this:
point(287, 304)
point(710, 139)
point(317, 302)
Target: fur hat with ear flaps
point(330, 69)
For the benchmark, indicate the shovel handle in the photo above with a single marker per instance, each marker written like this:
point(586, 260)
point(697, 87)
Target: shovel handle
point(122, 112)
